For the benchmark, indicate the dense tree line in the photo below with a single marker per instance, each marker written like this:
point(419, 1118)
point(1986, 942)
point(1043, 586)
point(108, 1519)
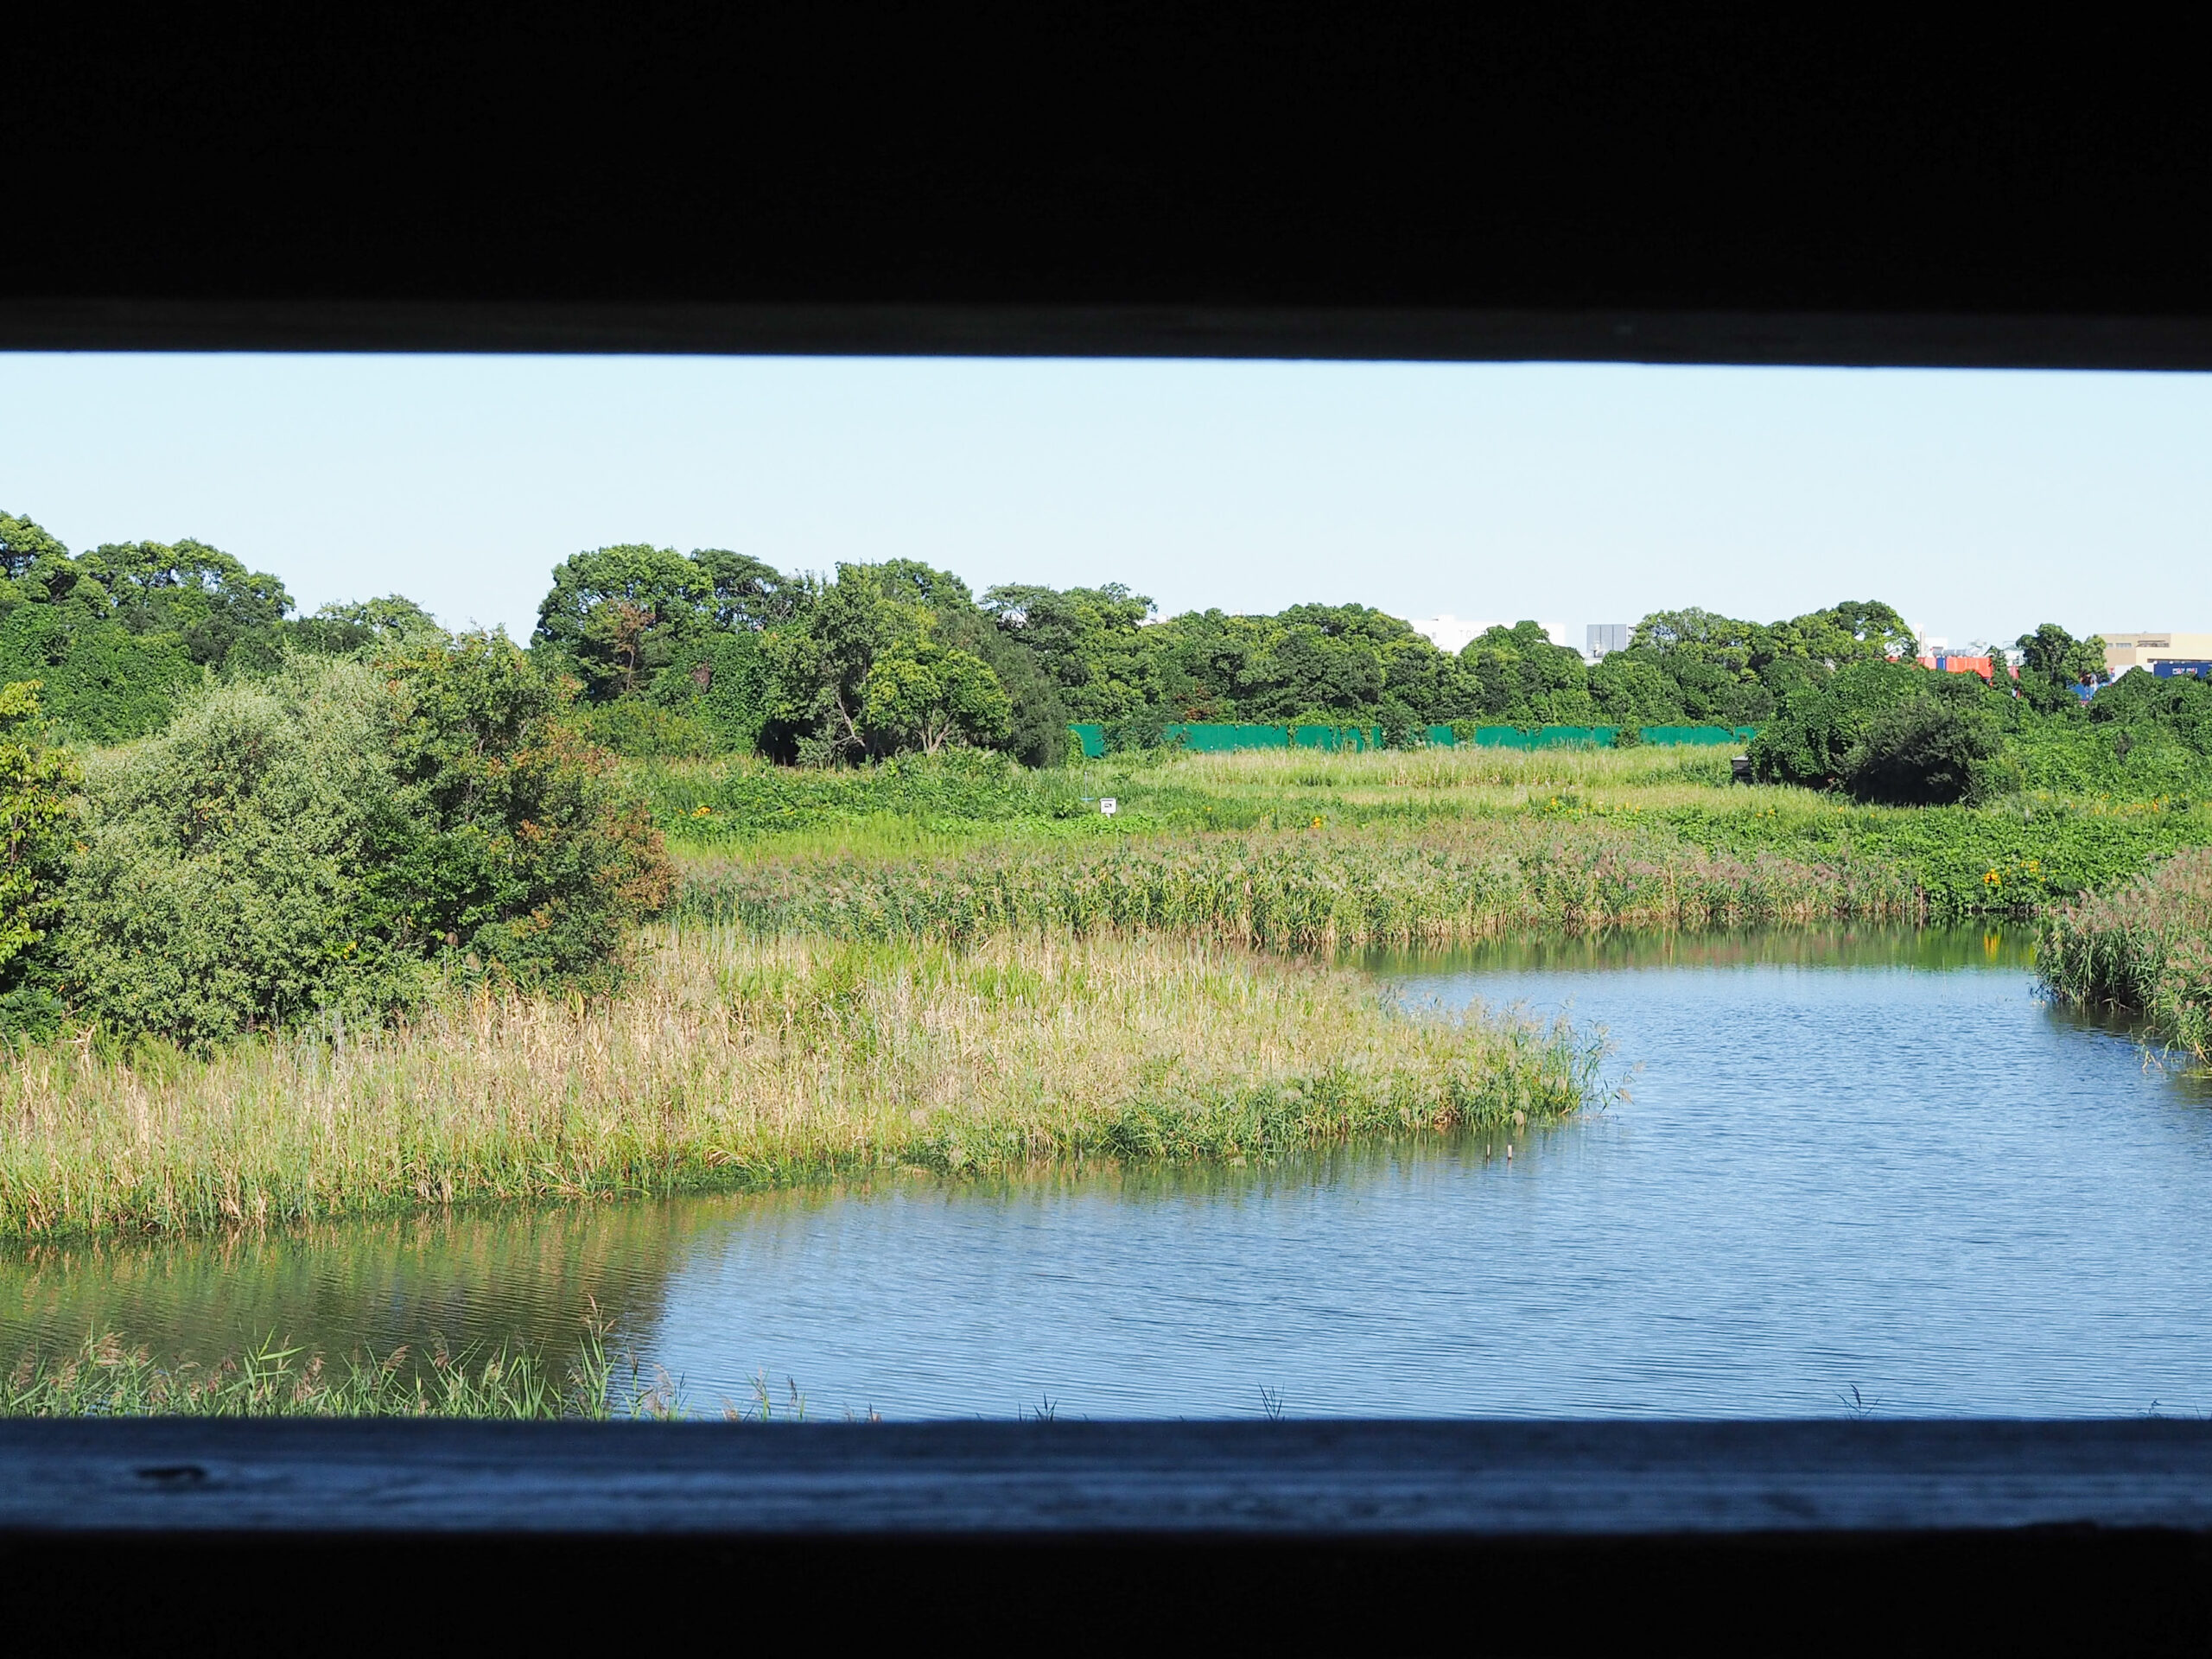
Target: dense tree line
point(716, 651)
point(114, 634)
point(712, 649)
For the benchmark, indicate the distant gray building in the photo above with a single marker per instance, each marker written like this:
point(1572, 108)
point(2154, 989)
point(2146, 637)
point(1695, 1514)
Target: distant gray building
point(1604, 636)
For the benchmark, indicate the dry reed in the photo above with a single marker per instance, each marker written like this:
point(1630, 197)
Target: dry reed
point(735, 1061)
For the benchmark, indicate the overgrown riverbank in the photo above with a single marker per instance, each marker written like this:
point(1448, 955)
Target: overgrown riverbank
point(733, 1061)
point(2145, 949)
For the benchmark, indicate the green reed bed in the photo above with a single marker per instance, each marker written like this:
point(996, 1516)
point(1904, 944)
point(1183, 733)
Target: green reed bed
point(1299, 890)
point(105, 1377)
point(2145, 949)
point(736, 1061)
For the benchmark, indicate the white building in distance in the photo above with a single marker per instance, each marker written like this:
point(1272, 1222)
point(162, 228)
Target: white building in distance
point(1447, 633)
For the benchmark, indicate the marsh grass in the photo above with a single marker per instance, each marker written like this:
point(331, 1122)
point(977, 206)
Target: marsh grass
point(1463, 767)
point(2145, 949)
point(1313, 889)
point(740, 1062)
point(2015, 858)
point(105, 1377)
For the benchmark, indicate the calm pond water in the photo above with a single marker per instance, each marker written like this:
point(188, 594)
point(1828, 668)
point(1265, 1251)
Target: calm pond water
point(1875, 1160)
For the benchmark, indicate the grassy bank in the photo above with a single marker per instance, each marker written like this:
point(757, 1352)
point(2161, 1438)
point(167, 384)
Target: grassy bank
point(2145, 949)
point(734, 1062)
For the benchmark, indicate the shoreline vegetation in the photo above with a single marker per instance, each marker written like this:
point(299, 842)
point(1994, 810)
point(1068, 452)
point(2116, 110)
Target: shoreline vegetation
point(2145, 950)
point(736, 877)
point(105, 1377)
point(952, 965)
point(732, 1062)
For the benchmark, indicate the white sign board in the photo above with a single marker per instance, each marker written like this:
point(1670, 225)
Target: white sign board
point(1108, 805)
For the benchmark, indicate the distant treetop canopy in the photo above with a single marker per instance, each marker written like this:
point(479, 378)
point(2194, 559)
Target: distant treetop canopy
point(715, 651)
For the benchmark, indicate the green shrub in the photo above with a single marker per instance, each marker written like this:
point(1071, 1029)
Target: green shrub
point(1811, 742)
point(38, 805)
point(527, 857)
point(642, 727)
point(326, 842)
point(1925, 752)
point(223, 883)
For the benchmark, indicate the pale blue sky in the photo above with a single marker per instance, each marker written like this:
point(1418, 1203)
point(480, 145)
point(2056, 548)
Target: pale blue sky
point(1976, 503)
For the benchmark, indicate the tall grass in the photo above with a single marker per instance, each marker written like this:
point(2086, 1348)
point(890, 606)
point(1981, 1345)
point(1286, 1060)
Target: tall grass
point(1457, 768)
point(738, 1061)
point(2146, 950)
point(1302, 890)
point(104, 1377)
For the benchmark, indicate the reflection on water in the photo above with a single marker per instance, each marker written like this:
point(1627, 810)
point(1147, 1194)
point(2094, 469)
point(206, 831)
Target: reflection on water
point(1866, 1159)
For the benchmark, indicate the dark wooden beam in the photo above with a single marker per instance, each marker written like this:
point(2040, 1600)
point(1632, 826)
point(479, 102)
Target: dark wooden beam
point(1282, 180)
point(1474, 1537)
point(1309, 1480)
point(1851, 339)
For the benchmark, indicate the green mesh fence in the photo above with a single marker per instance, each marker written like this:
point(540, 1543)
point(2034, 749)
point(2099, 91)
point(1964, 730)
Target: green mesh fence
point(1203, 737)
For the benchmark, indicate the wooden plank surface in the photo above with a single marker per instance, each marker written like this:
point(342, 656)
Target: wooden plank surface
point(1285, 1480)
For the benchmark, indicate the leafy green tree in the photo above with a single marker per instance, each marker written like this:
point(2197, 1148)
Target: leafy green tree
point(1519, 677)
point(1735, 672)
point(744, 595)
point(226, 615)
point(528, 857)
point(1700, 636)
point(222, 884)
point(364, 624)
point(38, 787)
point(104, 684)
point(1629, 691)
point(1821, 728)
point(31, 563)
point(820, 665)
point(1037, 732)
point(114, 634)
point(2139, 700)
point(922, 695)
point(1089, 642)
point(326, 842)
point(2054, 667)
point(615, 614)
point(1852, 631)
point(1924, 752)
